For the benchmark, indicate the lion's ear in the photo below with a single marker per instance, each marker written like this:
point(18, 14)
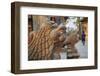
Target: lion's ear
point(61, 27)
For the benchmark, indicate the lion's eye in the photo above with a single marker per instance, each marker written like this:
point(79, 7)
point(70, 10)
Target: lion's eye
point(61, 31)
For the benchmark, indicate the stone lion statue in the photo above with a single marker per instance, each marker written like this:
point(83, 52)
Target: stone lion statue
point(47, 42)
